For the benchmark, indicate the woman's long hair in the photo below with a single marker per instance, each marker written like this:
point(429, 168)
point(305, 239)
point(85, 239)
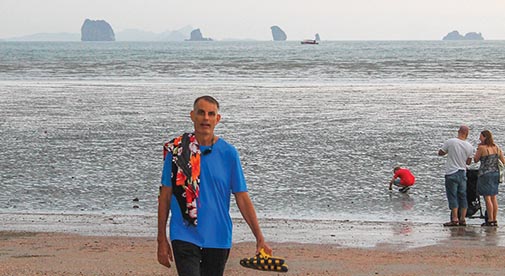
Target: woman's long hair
point(489, 138)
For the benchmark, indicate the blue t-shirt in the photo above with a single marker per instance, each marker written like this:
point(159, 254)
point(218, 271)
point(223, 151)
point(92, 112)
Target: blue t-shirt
point(220, 175)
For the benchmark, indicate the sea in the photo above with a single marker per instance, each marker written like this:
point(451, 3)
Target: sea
point(319, 128)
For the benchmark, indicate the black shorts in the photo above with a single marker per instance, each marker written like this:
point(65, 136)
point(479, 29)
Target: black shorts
point(191, 260)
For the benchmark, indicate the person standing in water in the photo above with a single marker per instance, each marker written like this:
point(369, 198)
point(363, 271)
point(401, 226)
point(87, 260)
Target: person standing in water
point(459, 155)
point(488, 153)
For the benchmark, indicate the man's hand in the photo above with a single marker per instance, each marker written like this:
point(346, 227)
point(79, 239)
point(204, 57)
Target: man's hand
point(164, 253)
point(265, 246)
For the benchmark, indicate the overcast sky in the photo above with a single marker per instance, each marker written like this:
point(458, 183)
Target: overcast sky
point(221, 19)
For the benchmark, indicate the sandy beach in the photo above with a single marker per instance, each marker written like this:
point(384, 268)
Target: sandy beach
point(27, 253)
point(329, 248)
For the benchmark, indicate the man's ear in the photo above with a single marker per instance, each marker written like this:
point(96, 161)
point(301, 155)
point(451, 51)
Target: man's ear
point(218, 118)
point(191, 114)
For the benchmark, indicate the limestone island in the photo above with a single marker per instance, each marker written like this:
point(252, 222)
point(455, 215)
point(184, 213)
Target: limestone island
point(196, 35)
point(278, 34)
point(455, 35)
point(97, 30)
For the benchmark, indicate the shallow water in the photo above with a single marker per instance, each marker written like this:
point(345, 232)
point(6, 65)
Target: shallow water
point(312, 152)
point(313, 145)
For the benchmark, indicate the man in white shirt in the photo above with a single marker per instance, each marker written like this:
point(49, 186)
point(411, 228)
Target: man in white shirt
point(459, 154)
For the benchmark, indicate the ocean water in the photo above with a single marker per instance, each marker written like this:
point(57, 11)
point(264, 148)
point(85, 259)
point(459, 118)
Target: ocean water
point(318, 127)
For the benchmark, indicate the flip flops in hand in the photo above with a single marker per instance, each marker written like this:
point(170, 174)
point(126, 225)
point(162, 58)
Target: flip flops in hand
point(263, 261)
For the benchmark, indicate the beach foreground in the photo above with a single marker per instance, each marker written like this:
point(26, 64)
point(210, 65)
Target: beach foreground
point(32, 253)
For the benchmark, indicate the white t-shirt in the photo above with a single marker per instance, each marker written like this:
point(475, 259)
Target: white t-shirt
point(458, 151)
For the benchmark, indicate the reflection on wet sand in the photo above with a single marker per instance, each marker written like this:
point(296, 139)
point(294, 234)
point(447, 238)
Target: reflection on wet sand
point(403, 228)
point(401, 235)
point(401, 201)
point(489, 236)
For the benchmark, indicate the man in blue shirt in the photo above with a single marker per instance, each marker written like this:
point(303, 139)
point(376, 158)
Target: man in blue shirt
point(200, 173)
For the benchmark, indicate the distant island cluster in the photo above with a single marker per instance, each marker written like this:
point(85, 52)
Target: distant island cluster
point(101, 30)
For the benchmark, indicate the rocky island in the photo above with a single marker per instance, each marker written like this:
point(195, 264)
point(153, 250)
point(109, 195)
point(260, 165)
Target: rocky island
point(278, 34)
point(196, 35)
point(455, 35)
point(96, 30)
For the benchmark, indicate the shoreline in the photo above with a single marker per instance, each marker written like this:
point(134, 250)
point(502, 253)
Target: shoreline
point(400, 235)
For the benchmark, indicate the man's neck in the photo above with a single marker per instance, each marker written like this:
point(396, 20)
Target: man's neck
point(205, 140)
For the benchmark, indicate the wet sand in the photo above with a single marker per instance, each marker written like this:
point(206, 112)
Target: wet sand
point(311, 248)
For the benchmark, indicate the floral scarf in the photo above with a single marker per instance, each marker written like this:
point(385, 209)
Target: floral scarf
point(185, 173)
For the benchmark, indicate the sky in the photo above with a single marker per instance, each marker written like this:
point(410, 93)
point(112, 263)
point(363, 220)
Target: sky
point(252, 19)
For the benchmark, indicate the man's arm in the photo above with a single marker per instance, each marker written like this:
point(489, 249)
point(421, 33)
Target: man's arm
point(164, 250)
point(249, 214)
point(469, 161)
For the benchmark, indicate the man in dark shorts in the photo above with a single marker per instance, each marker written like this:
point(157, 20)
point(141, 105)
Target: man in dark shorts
point(200, 173)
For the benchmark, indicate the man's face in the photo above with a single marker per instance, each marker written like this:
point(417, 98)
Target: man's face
point(205, 117)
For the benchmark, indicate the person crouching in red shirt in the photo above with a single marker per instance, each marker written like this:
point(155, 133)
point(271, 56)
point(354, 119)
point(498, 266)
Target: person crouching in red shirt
point(402, 178)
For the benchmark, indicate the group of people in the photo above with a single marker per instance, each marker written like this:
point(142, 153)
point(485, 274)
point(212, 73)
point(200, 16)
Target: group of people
point(201, 171)
point(460, 154)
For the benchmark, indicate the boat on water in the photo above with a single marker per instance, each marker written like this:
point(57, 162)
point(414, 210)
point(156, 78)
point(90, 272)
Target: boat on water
point(309, 41)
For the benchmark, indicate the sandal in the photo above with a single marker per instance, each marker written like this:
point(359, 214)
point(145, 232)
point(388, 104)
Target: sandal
point(487, 223)
point(462, 223)
point(493, 223)
point(263, 261)
point(451, 223)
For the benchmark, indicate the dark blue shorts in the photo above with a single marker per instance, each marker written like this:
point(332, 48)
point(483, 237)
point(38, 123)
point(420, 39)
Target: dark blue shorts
point(455, 188)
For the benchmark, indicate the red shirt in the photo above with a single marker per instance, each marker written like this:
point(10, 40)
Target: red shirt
point(406, 177)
